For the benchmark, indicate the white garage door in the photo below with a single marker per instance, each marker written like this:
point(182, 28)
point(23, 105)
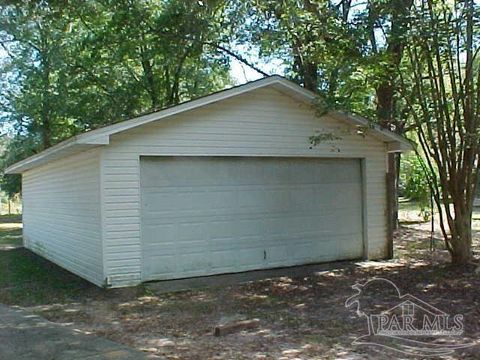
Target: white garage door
point(211, 215)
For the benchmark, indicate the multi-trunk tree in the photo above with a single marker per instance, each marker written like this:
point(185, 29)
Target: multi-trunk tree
point(442, 92)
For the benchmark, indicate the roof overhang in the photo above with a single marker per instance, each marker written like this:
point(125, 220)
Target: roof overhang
point(395, 142)
point(101, 136)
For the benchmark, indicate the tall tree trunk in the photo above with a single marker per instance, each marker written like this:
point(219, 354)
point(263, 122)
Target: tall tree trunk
point(387, 89)
point(307, 70)
point(445, 87)
point(149, 76)
point(150, 82)
point(391, 197)
point(461, 241)
point(461, 231)
point(46, 132)
point(310, 76)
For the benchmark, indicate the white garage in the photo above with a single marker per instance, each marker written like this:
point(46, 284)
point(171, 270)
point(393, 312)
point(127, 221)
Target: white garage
point(225, 183)
point(226, 214)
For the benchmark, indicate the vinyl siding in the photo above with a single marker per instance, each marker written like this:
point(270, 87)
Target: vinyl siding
point(263, 122)
point(61, 215)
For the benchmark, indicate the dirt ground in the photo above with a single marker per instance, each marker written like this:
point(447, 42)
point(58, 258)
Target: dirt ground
point(300, 318)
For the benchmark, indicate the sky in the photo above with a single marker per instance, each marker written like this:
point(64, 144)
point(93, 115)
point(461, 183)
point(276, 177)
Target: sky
point(242, 73)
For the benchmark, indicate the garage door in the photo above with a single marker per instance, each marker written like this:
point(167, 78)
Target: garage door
point(211, 215)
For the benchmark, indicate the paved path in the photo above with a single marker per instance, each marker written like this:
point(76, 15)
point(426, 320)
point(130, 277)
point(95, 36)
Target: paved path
point(25, 336)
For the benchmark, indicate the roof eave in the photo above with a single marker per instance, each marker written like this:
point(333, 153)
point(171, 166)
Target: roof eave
point(396, 143)
point(101, 136)
point(68, 147)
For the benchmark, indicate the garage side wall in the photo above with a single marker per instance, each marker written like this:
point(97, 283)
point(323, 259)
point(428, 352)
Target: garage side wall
point(263, 122)
point(62, 217)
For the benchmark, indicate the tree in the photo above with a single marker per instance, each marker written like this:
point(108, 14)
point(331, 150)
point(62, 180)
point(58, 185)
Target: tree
point(31, 35)
point(71, 67)
point(386, 23)
point(153, 49)
point(19, 147)
point(319, 42)
point(443, 97)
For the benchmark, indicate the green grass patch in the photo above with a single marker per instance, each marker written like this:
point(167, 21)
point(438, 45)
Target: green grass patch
point(10, 231)
point(27, 279)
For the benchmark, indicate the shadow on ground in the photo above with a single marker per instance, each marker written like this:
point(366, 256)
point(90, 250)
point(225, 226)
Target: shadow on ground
point(301, 316)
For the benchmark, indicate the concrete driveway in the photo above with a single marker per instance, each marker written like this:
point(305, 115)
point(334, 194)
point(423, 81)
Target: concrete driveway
point(26, 336)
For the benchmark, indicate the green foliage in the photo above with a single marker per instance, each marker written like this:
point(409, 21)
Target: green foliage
point(19, 147)
point(317, 42)
point(414, 182)
point(346, 51)
point(76, 66)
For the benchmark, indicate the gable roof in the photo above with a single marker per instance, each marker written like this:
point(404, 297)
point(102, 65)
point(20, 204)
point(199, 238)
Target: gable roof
point(102, 135)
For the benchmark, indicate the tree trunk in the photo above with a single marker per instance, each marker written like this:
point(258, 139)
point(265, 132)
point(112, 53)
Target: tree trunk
point(441, 103)
point(310, 76)
point(149, 77)
point(46, 129)
point(46, 106)
point(150, 83)
point(386, 90)
point(461, 242)
point(390, 196)
point(461, 232)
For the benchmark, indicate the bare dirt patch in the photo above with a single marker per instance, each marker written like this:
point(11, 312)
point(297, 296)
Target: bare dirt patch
point(300, 318)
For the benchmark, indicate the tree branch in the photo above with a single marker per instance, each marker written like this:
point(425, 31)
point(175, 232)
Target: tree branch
point(237, 57)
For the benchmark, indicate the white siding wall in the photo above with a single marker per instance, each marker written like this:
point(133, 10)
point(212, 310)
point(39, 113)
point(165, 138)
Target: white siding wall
point(61, 216)
point(260, 123)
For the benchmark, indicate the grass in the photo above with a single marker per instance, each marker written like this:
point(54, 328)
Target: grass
point(10, 235)
point(10, 231)
point(27, 279)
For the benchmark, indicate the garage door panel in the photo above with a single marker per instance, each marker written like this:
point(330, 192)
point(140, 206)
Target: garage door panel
point(203, 216)
point(168, 246)
point(225, 245)
point(278, 253)
point(220, 230)
point(350, 245)
point(165, 265)
point(248, 198)
point(193, 262)
point(250, 258)
point(345, 171)
point(191, 232)
point(158, 200)
point(166, 233)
